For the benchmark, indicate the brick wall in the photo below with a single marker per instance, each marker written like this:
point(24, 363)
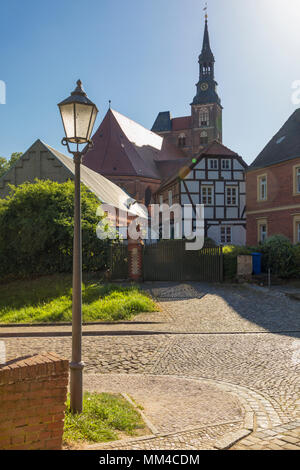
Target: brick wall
point(279, 222)
point(282, 203)
point(33, 393)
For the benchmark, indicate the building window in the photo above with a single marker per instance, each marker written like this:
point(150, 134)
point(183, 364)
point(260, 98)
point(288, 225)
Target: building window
point(262, 226)
point(231, 196)
point(213, 164)
point(161, 200)
point(297, 229)
point(204, 118)
point(226, 164)
point(181, 140)
point(203, 138)
point(262, 188)
point(170, 198)
point(207, 195)
point(296, 180)
point(226, 236)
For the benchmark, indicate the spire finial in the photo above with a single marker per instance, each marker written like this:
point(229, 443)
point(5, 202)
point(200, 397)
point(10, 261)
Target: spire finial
point(109, 103)
point(205, 9)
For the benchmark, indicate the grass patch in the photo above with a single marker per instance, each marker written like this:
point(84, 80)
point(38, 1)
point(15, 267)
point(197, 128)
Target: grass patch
point(103, 419)
point(49, 299)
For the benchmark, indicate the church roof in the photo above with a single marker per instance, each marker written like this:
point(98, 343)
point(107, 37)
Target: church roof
point(285, 145)
point(106, 191)
point(182, 123)
point(164, 123)
point(123, 147)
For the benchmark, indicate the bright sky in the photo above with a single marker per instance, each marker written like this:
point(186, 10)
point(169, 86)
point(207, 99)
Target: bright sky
point(143, 56)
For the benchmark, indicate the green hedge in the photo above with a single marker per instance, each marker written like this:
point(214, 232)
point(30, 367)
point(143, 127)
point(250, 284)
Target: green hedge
point(278, 254)
point(36, 230)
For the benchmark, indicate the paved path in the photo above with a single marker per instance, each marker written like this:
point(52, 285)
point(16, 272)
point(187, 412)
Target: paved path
point(238, 346)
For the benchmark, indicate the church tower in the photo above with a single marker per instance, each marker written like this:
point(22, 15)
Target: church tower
point(193, 133)
point(206, 106)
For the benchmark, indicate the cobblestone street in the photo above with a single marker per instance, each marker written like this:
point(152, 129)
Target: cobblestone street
point(217, 367)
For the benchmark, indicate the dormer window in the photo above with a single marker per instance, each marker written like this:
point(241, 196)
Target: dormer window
point(182, 140)
point(204, 117)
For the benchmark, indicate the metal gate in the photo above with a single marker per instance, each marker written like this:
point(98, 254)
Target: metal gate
point(170, 261)
point(119, 261)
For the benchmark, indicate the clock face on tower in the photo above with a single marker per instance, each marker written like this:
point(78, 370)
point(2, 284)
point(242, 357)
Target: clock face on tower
point(204, 86)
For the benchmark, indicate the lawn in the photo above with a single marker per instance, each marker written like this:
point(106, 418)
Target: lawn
point(49, 299)
point(105, 417)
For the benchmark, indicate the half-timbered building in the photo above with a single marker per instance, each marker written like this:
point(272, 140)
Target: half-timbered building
point(215, 179)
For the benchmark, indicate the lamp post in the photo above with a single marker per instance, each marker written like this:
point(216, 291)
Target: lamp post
point(78, 115)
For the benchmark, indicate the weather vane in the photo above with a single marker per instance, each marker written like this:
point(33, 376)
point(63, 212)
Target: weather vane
point(205, 9)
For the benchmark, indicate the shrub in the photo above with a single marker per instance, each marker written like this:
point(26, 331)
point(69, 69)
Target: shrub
point(278, 255)
point(36, 230)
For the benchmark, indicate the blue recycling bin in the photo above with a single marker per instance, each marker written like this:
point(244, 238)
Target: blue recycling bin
point(256, 259)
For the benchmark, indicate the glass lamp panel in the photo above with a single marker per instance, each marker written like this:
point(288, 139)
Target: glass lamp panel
point(83, 116)
point(94, 115)
point(67, 113)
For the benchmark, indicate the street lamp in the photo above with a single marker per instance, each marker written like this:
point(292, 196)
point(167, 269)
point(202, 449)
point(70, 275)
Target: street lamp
point(78, 115)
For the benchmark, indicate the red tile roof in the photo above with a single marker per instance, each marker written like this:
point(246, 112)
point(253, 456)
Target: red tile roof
point(216, 148)
point(181, 123)
point(123, 147)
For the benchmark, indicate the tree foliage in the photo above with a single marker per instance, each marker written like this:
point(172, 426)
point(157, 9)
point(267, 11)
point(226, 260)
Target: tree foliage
point(36, 230)
point(5, 164)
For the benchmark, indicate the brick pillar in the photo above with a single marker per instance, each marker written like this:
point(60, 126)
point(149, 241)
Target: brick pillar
point(33, 393)
point(135, 260)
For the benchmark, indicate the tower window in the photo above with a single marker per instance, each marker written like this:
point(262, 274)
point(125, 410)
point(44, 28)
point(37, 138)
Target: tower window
point(181, 140)
point(203, 138)
point(204, 117)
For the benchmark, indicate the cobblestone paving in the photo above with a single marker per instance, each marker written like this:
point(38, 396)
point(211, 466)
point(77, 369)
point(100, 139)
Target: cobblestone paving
point(227, 337)
point(173, 404)
point(200, 439)
point(207, 308)
point(102, 354)
point(284, 437)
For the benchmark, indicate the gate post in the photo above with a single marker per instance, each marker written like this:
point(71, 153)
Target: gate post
point(135, 260)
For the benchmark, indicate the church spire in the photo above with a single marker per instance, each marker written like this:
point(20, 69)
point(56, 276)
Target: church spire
point(206, 54)
point(206, 87)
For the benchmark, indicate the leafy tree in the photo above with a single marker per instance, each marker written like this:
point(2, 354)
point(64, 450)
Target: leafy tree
point(5, 164)
point(36, 230)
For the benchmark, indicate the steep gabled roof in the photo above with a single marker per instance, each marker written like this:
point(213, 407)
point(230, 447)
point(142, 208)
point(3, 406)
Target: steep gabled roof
point(106, 191)
point(285, 145)
point(215, 149)
point(123, 147)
